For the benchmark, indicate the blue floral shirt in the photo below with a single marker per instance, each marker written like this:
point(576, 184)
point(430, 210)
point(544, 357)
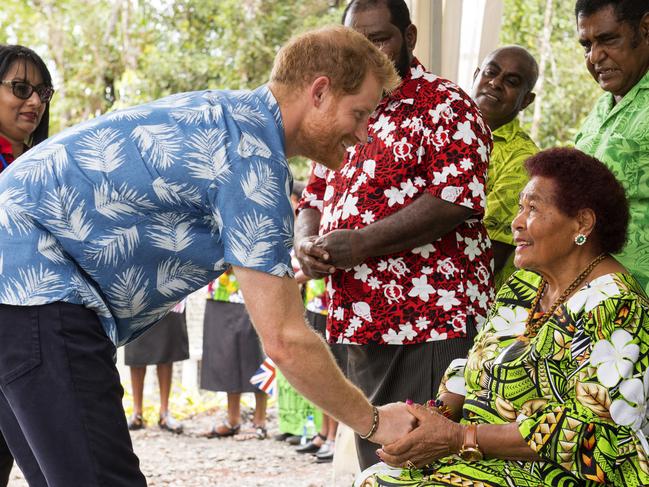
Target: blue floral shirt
point(128, 213)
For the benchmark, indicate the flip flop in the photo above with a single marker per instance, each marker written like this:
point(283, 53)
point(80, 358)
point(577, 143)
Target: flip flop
point(257, 433)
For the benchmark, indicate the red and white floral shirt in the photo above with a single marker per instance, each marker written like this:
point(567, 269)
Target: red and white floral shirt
point(427, 136)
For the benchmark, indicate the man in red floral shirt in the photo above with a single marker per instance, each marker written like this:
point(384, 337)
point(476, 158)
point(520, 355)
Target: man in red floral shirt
point(398, 228)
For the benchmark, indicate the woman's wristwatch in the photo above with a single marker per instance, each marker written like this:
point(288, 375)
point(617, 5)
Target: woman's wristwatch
point(470, 451)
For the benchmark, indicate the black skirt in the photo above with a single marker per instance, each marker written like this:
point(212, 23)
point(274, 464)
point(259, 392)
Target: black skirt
point(232, 352)
point(165, 342)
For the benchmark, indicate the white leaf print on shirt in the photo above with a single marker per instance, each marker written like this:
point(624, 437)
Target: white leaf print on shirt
point(14, 211)
point(115, 247)
point(45, 163)
point(67, 215)
point(248, 114)
point(249, 240)
point(203, 114)
point(128, 293)
point(130, 114)
point(171, 231)
point(50, 248)
point(249, 146)
point(116, 203)
point(31, 287)
point(174, 277)
point(260, 185)
point(161, 144)
point(101, 150)
point(207, 158)
point(176, 193)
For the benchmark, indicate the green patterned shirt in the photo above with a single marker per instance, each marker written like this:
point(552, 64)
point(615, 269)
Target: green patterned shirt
point(618, 135)
point(506, 178)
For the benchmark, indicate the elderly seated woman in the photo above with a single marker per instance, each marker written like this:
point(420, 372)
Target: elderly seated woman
point(554, 390)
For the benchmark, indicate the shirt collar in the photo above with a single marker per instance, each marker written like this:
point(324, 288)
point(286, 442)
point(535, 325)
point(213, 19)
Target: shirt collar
point(415, 68)
point(508, 131)
point(629, 98)
point(269, 100)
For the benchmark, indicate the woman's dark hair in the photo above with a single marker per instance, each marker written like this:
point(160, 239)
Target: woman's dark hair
point(399, 13)
point(9, 54)
point(581, 181)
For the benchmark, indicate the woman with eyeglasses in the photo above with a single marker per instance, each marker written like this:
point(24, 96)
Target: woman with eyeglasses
point(25, 94)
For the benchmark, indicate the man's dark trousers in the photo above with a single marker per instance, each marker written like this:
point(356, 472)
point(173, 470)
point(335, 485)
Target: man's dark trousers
point(61, 399)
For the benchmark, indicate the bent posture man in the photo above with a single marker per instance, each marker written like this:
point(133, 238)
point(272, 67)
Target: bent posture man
point(502, 88)
point(107, 225)
point(400, 223)
point(615, 37)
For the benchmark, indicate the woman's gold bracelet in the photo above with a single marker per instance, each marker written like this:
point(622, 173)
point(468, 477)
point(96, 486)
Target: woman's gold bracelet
point(375, 424)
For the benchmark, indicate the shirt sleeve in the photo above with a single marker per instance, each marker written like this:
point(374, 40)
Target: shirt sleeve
point(455, 150)
point(254, 214)
point(595, 431)
point(314, 193)
point(509, 179)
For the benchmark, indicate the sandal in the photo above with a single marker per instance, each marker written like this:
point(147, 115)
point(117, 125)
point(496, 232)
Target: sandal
point(136, 422)
point(223, 430)
point(256, 433)
point(169, 423)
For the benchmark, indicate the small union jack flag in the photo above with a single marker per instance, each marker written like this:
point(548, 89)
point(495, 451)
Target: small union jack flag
point(264, 378)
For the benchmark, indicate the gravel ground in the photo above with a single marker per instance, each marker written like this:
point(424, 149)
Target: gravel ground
point(188, 460)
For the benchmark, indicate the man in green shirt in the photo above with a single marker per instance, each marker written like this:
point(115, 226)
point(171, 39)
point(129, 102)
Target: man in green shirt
point(502, 87)
point(615, 37)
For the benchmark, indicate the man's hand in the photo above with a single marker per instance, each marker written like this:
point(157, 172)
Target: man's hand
point(435, 437)
point(395, 421)
point(313, 258)
point(345, 248)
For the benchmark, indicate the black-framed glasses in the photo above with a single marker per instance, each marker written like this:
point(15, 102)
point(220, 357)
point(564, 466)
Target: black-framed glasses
point(23, 90)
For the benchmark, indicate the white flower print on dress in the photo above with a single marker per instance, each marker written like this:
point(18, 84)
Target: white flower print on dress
point(477, 188)
point(447, 299)
point(614, 359)
point(392, 337)
point(594, 293)
point(471, 250)
point(466, 164)
point(483, 151)
point(369, 166)
point(437, 336)
point(407, 332)
point(419, 181)
point(634, 391)
point(384, 127)
point(349, 207)
point(408, 189)
point(425, 250)
point(368, 217)
point(362, 272)
point(374, 283)
point(510, 322)
point(464, 133)
point(422, 323)
point(394, 196)
point(421, 289)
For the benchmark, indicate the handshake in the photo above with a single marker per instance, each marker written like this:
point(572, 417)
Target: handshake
point(320, 256)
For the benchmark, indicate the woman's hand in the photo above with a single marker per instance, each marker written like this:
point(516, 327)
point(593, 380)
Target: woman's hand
point(435, 437)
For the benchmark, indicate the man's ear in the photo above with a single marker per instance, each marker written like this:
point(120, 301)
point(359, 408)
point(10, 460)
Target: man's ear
point(528, 99)
point(475, 74)
point(410, 35)
point(319, 90)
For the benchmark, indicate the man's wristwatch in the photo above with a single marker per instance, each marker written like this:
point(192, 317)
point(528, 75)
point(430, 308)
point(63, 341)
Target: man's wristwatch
point(470, 452)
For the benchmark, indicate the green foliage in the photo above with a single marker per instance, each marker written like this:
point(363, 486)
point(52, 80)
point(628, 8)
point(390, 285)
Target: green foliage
point(106, 55)
point(569, 92)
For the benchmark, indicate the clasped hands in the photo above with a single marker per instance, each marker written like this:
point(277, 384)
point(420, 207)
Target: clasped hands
point(431, 435)
point(320, 256)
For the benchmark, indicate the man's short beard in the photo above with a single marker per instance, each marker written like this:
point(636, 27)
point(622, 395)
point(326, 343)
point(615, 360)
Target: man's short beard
point(402, 64)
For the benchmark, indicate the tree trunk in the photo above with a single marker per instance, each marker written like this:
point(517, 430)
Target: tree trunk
point(546, 53)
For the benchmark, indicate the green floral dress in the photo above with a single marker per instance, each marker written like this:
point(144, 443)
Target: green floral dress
point(578, 390)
